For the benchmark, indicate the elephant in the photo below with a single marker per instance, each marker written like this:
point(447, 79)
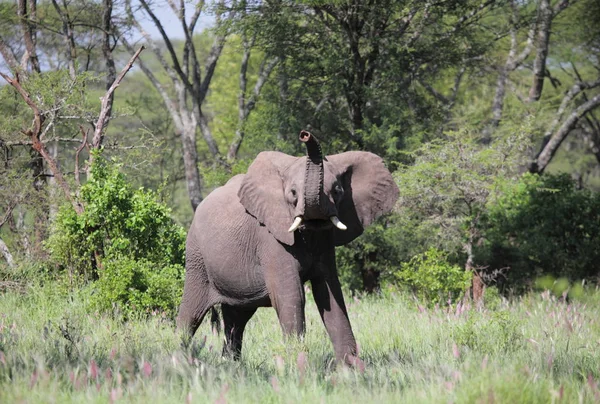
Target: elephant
point(256, 240)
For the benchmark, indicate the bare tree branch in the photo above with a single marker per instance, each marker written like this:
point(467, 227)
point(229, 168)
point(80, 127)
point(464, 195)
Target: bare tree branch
point(572, 93)
point(170, 105)
point(168, 44)
point(67, 27)
point(8, 55)
point(11, 206)
point(550, 148)
point(148, 39)
point(106, 102)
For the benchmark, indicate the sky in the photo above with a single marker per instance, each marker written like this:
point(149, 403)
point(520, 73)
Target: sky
point(170, 22)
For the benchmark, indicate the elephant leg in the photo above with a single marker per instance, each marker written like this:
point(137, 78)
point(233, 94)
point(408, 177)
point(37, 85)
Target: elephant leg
point(235, 320)
point(195, 303)
point(287, 297)
point(328, 296)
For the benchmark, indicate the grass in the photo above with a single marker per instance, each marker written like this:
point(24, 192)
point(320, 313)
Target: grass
point(535, 349)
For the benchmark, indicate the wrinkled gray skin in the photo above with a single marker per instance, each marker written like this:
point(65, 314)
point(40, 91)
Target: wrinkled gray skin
point(240, 254)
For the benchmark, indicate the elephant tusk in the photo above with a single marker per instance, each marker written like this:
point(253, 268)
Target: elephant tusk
point(337, 223)
point(296, 224)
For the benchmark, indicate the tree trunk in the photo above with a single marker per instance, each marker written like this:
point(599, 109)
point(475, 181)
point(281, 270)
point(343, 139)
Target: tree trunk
point(22, 230)
point(539, 64)
point(6, 254)
point(370, 276)
point(42, 209)
point(190, 164)
point(477, 285)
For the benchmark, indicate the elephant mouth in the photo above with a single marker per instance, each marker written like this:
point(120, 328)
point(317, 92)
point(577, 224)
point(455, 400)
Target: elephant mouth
point(316, 225)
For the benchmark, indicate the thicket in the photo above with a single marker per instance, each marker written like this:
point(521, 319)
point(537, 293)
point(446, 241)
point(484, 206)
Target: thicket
point(542, 226)
point(124, 242)
point(458, 97)
point(465, 209)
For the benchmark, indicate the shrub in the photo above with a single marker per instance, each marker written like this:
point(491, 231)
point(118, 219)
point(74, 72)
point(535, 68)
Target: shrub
point(543, 225)
point(138, 285)
point(432, 278)
point(125, 239)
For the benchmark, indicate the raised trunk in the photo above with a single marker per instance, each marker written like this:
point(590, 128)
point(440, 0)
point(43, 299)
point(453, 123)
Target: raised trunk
point(313, 180)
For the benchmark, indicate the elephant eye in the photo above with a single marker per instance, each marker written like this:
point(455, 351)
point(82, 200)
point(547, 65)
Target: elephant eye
point(293, 192)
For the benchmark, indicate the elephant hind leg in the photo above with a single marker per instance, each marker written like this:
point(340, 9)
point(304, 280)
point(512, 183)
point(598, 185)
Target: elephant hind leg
point(195, 303)
point(235, 320)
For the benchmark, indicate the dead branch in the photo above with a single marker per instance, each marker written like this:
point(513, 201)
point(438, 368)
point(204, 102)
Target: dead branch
point(9, 210)
point(29, 142)
point(8, 55)
point(103, 117)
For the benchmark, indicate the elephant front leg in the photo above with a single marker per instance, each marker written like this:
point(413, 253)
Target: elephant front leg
point(287, 297)
point(330, 302)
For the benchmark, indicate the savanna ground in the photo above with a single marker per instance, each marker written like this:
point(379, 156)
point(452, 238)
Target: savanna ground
point(537, 348)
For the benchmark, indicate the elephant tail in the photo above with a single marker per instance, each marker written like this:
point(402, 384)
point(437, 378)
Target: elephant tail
point(215, 321)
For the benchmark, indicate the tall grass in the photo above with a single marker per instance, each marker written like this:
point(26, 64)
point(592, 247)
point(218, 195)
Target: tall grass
point(535, 349)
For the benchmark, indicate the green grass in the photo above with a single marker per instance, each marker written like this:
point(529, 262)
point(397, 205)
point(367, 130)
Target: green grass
point(536, 349)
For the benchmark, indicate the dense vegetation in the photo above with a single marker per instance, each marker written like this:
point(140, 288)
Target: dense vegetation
point(486, 112)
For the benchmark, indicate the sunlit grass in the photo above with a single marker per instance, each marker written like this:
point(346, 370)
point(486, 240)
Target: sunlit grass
point(536, 349)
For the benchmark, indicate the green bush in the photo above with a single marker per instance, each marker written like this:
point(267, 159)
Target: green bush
point(432, 278)
point(138, 285)
point(542, 225)
point(122, 233)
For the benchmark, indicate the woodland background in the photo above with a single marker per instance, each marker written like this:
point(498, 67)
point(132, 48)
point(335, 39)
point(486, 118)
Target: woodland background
point(481, 286)
point(486, 112)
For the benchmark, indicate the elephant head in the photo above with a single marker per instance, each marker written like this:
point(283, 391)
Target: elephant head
point(344, 192)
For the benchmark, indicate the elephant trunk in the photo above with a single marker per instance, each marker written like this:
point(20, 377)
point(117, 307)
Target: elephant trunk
point(313, 180)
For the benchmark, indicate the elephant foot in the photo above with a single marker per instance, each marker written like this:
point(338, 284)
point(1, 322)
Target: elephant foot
point(355, 363)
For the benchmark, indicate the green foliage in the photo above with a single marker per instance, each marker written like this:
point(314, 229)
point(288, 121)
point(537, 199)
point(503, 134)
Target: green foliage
point(138, 285)
point(121, 233)
point(433, 279)
point(216, 176)
point(450, 182)
point(496, 332)
point(543, 225)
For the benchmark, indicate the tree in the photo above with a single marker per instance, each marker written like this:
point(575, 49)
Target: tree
point(36, 42)
point(190, 83)
point(449, 185)
point(360, 87)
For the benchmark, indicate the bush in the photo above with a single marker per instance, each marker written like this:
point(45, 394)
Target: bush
point(122, 233)
point(432, 278)
point(138, 285)
point(543, 225)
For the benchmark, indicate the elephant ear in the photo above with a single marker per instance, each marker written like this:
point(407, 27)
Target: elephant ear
point(369, 192)
point(262, 194)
